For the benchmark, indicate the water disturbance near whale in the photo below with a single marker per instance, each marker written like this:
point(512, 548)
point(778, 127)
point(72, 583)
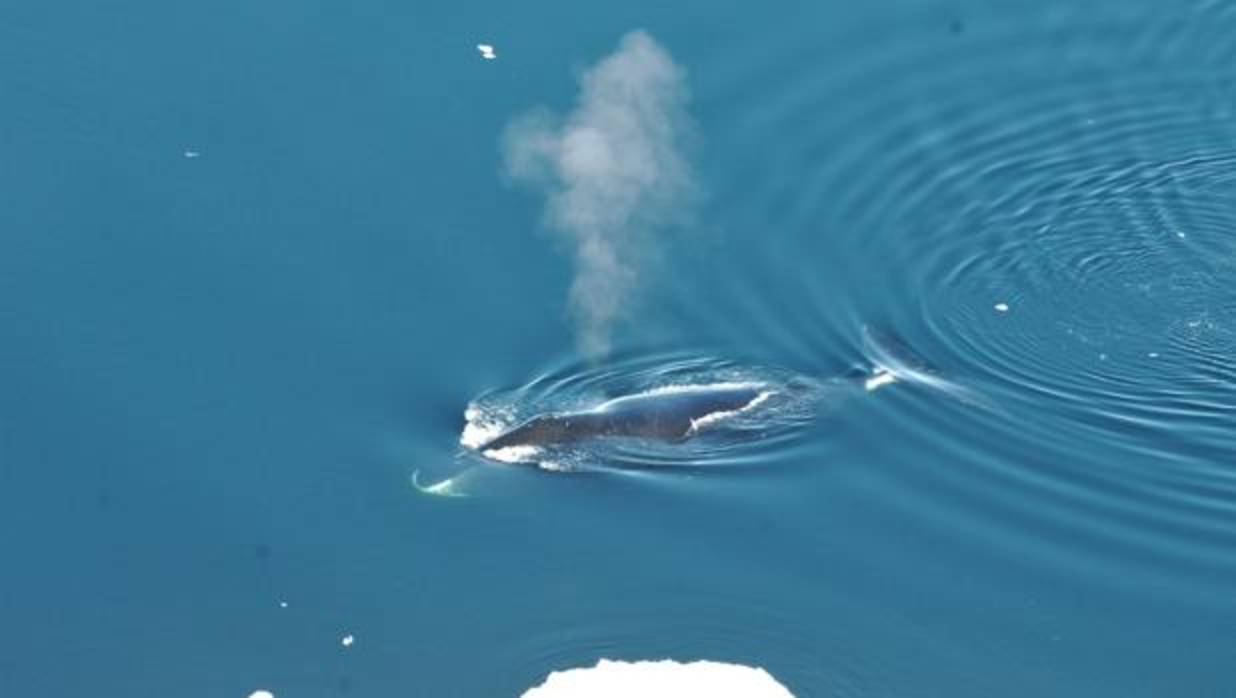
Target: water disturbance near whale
point(671, 413)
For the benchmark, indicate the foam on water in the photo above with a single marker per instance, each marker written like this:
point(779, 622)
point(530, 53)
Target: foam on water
point(483, 424)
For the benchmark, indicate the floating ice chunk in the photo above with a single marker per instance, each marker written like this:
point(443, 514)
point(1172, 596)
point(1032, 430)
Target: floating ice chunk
point(190, 154)
point(663, 679)
point(348, 640)
point(1180, 235)
point(1002, 307)
point(1153, 354)
point(487, 51)
point(260, 693)
point(283, 604)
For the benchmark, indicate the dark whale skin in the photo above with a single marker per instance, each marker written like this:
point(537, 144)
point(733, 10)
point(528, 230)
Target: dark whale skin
point(667, 415)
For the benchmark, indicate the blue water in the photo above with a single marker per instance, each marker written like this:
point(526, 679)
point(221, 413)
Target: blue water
point(257, 260)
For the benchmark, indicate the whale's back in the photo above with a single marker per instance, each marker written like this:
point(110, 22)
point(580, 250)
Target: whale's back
point(672, 411)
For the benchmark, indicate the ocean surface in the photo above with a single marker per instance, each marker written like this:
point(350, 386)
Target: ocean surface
point(267, 269)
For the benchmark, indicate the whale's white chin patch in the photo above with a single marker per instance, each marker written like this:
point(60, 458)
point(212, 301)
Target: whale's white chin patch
point(514, 454)
point(534, 455)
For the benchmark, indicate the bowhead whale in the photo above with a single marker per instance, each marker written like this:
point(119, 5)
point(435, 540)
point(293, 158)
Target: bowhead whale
point(675, 413)
point(670, 414)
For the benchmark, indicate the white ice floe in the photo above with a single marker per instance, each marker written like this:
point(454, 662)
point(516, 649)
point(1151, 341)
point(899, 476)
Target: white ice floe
point(348, 640)
point(660, 679)
point(283, 604)
point(1002, 307)
point(487, 51)
point(261, 694)
point(192, 154)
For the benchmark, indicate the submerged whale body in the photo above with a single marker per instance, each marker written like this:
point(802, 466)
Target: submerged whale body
point(668, 414)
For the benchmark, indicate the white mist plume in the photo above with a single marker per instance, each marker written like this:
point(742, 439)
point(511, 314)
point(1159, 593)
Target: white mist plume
point(613, 173)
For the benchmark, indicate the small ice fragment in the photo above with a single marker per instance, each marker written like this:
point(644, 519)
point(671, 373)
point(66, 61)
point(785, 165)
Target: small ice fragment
point(261, 694)
point(1153, 355)
point(192, 154)
point(1180, 234)
point(348, 640)
point(1002, 307)
point(283, 604)
point(487, 51)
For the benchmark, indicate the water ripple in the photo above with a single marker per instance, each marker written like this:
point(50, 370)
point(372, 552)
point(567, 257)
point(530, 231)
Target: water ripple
point(1048, 201)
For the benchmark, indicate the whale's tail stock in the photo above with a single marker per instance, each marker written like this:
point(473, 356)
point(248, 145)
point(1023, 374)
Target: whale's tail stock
point(892, 360)
point(889, 354)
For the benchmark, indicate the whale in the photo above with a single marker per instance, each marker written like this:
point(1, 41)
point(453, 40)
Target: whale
point(672, 413)
point(678, 412)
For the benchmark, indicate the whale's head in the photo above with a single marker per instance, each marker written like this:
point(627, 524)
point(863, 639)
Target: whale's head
point(539, 431)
